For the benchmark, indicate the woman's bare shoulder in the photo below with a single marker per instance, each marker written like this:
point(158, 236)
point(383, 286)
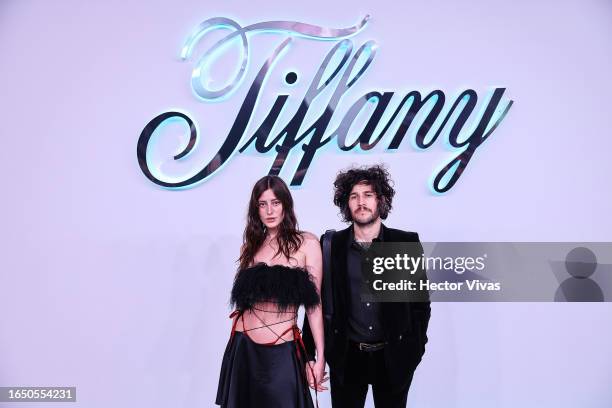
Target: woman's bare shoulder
point(309, 237)
point(310, 241)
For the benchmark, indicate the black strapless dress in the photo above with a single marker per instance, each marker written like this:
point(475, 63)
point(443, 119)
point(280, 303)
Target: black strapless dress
point(269, 375)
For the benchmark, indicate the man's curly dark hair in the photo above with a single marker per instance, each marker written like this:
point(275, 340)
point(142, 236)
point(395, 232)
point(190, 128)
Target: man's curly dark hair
point(376, 176)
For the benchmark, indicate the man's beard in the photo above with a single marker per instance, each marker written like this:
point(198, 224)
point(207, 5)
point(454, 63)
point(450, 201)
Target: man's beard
point(367, 221)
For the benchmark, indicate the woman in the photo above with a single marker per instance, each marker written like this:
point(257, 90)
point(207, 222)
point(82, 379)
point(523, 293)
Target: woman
point(280, 269)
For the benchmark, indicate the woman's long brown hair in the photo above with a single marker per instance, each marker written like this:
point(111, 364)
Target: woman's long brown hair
point(289, 237)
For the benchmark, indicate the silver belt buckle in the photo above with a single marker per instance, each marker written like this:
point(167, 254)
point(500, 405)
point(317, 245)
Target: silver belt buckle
point(368, 346)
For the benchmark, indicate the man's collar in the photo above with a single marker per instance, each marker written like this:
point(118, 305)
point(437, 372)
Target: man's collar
point(379, 238)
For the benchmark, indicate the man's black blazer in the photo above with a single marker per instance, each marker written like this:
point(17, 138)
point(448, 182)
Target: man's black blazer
point(404, 324)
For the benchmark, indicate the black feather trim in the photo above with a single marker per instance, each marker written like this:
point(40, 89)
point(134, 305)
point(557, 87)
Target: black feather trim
point(286, 286)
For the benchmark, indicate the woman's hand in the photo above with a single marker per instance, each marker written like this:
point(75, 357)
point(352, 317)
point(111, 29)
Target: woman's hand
point(320, 375)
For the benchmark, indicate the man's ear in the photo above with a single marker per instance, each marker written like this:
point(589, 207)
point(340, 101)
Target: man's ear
point(383, 206)
point(382, 202)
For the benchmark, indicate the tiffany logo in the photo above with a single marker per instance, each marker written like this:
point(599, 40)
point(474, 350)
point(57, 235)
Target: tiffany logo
point(340, 70)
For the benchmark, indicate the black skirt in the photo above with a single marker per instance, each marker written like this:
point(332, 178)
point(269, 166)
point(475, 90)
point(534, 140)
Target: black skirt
point(254, 375)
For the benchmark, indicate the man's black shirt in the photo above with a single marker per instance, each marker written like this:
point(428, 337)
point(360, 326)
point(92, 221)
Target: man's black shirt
point(365, 325)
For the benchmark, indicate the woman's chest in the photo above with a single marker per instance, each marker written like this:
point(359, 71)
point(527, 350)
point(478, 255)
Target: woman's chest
point(270, 256)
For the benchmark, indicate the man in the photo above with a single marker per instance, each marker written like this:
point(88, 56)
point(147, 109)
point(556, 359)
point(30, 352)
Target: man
point(367, 342)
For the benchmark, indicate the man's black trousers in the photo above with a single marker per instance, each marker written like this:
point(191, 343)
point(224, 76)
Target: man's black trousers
point(362, 369)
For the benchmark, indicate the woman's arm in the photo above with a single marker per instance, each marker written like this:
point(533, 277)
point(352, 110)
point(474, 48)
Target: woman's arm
point(314, 265)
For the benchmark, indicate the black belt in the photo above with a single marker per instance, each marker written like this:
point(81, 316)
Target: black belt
point(369, 347)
